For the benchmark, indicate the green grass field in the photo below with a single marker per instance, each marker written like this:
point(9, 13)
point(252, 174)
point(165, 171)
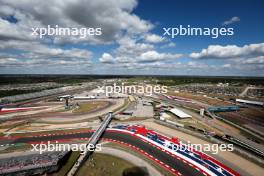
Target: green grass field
point(107, 165)
point(89, 106)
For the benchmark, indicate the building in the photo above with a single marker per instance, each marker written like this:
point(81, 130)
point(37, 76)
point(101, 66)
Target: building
point(258, 103)
point(179, 113)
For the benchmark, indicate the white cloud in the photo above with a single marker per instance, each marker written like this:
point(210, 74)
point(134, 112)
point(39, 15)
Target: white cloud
point(226, 66)
point(130, 47)
point(229, 51)
point(33, 54)
point(152, 56)
point(256, 60)
point(231, 20)
point(111, 15)
point(106, 58)
point(41, 62)
point(196, 65)
point(168, 45)
point(12, 31)
point(115, 17)
point(136, 44)
point(38, 50)
point(6, 10)
point(133, 51)
point(153, 38)
point(5, 61)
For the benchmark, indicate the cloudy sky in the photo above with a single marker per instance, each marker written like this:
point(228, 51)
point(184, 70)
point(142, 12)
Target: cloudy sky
point(132, 40)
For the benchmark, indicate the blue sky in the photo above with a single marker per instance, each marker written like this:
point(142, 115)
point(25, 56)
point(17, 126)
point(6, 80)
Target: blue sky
point(132, 40)
point(207, 13)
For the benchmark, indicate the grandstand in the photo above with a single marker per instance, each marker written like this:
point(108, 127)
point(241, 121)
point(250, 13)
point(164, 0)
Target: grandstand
point(31, 164)
point(223, 108)
point(37, 94)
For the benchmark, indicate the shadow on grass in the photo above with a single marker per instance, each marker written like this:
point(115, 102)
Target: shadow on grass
point(135, 171)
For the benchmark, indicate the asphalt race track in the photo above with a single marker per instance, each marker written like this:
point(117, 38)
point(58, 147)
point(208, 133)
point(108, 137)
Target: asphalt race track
point(171, 161)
